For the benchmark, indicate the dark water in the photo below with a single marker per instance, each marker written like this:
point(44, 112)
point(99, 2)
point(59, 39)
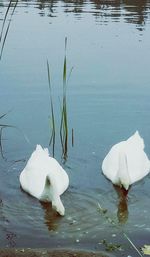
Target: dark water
point(107, 101)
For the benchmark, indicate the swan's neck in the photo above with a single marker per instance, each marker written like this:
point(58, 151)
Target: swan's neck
point(58, 206)
point(51, 194)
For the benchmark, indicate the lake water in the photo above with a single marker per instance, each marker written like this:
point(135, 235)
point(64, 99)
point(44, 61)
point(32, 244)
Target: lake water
point(108, 96)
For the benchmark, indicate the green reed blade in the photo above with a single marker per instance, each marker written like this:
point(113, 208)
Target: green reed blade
point(49, 80)
point(132, 244)
point(3, 25)
point(6, 33)
point(65, 128)
point(3, 115)
point(50, 90)
point(64, 73)
point(53, 133)
point(3, 44)
point(72, 137)
point(63, 132)
point(6, 125)
point(61, 128)
point(65, 44)
point(70, 74)
point(65, 68)
point(52, 139)
point(1, 146)
point(64, 118)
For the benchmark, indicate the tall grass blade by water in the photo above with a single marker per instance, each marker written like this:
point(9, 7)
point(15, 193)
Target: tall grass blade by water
point(64, 131)
point(52, 138)
point(132, 244)
point(64, 119)
point(2, 125)
point(1, 145)
point(72, 137)
point(4, 20)
point(2, 43)
point(3, 115)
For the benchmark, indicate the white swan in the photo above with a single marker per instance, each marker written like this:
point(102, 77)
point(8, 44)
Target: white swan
point(126, 162)
point(45, 179)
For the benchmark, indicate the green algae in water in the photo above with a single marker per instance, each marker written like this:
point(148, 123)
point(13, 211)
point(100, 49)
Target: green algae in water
point(110, 246)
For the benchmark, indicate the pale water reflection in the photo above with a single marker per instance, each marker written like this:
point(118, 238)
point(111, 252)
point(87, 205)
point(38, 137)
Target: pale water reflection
point(136, 11)
point(107, 100)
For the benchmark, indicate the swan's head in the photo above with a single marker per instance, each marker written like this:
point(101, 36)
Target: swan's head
point(58, 206)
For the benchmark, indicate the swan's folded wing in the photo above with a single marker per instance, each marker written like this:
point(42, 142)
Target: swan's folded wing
point(110, 165)
point(138, 164)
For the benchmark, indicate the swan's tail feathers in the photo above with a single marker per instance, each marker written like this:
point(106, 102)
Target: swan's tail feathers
point(136, 141)
point(41, 150)
point(47, 182)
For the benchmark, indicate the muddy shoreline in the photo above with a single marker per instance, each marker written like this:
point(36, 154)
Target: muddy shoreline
point(42, 252)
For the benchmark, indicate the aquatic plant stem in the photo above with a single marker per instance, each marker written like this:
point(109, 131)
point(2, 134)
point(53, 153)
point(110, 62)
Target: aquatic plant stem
point(132, 244)
point(52, 139)
point(63, 123)
point(3, 25)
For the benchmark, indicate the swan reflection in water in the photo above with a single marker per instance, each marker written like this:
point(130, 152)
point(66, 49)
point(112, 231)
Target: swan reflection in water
point(122, 212)
point(125, 164)
point(51, 217)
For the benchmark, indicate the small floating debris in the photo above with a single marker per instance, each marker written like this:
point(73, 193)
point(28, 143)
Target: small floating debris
point(110, 246)
point(22, 250)
point(73, 222)
point(102, 210)
point(146, 249)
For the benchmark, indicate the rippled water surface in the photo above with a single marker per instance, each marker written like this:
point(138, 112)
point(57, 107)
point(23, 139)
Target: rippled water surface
point(108, 96)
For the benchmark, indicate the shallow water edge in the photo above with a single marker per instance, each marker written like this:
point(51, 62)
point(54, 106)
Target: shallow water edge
point(49, 253)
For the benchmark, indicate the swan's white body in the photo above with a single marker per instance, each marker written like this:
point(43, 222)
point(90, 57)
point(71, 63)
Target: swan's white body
point(126, 162)
point(45, 179)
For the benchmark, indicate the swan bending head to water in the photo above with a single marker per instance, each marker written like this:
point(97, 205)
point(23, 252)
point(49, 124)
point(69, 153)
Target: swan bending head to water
point(126, 162)
point(45, 179)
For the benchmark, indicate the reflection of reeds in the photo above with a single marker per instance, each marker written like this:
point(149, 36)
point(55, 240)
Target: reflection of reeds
point(2, 42)
point(52, 138)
